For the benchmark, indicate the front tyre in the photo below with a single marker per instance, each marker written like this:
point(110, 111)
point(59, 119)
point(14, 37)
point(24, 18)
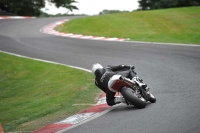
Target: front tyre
point(131, 97)
point(152, 99)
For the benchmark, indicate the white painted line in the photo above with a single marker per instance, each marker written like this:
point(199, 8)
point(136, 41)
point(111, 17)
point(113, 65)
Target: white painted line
point(77, 118)
point(66, 35)
point(16, 17)
point(58, 23)
point(53, 32)
point(86, 37)
point(121, 39)
point(53, 25)
point(102, 101)
point(76, 36)
point(98, 38)
point(87, 120)
point(110, 39)
point(47, 30)
point(161, 43)
point(79, 36)
point(48, 33)
point(59, 34)
point(46, 61)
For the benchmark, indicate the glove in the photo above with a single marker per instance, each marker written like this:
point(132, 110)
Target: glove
point(132, 68)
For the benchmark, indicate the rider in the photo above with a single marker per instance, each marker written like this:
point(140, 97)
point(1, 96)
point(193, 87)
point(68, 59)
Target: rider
point(103, 76)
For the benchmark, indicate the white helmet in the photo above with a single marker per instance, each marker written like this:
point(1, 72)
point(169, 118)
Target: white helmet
point(96, 66)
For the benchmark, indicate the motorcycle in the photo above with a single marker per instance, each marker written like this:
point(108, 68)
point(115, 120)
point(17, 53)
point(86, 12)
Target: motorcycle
point(134, 91)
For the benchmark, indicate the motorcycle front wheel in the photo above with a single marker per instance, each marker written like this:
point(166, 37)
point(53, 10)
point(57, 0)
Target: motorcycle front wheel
point(152, 99)
point(131, 97)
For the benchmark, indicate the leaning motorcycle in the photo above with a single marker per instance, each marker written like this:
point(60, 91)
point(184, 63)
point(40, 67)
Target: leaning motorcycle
point(134, 91)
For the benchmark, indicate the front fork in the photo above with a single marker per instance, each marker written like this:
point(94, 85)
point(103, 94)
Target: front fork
point(144, 90)
point(140, 83)
point(138, 86)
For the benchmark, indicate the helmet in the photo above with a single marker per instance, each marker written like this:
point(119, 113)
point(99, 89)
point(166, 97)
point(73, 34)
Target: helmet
point(96, 66)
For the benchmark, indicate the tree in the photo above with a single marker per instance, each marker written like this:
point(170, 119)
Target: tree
point(144, 4)
point(32, 7)
point(64, 3)
point(110, 12)
point(158, 4)
point(163, 4)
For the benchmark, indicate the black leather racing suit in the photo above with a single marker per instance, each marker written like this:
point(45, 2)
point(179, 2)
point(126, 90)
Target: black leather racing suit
point(103, 76)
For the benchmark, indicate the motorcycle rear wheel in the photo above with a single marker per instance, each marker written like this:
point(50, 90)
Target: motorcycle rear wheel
point(130, 96)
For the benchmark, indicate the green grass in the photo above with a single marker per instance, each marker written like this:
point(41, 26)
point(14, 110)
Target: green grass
point(176, 25)
point(34, 94)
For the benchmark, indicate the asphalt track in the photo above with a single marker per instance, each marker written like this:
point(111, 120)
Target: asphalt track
point(171, 71)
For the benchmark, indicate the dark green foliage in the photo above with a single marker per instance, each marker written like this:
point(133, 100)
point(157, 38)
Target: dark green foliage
point(155, 4)
point(64, 3)
point(31, 7)
point(111, 12)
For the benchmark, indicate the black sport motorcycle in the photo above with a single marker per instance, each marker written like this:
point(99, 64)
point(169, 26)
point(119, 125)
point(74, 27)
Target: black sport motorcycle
point(133, 90)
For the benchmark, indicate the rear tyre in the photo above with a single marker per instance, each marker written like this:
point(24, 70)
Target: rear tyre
point(131, 97)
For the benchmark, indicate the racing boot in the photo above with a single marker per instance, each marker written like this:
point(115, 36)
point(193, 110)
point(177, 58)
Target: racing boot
point(118, 100)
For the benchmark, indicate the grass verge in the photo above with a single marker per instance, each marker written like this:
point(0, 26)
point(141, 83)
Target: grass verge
point(35, 94)
point(176, 25)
